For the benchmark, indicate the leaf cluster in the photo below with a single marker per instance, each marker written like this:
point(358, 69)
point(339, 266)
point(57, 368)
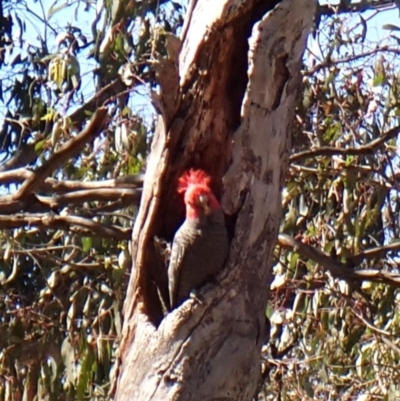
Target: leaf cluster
point(334, 305)
point(73, 147)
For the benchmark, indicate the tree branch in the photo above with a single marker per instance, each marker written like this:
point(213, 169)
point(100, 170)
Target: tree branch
point(336, 268)
point(88, 227)
point(92, 195)
point(350, 7)
point(331, 150)
point(122, 192)
point(68, 150)
point(62, 186)
point(27, 153)
point(56, 186)
point(331, 62)
point(24, 156)
point(112, 207)
point(379, 252)
point(119, 198)
point(79, 116)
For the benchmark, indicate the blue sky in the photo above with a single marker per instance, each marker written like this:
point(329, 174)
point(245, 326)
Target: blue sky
point(84, 20)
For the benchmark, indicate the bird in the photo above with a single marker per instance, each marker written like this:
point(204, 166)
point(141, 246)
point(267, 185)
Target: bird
point(200, 245)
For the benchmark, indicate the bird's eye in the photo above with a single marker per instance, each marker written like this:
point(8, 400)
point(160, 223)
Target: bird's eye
point(203, 199)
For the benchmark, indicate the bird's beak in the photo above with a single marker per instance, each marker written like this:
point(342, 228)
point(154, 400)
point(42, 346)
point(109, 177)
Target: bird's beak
point(207, 209)
point(203, 201)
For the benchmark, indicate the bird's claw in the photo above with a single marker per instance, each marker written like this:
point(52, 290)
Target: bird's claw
point(193, 295)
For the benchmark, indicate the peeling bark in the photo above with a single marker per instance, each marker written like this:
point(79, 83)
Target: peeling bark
point(229, 92)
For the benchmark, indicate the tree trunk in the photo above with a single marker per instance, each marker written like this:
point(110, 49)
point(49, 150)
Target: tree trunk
point(229, 113)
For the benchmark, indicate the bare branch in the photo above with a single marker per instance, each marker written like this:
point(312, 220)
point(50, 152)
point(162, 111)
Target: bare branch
point(24, 156)
point(336, 268)
point(27, 153)
point(331, 150)
point(355, 7)
point(345, 60)
point(14, 176)
point(56, 186)
point(379, 252)
point(79, 116)
point(91, 195)
point(119, 198)
point(68, 150)
point(52, 221)
point(112, 207)
point(370, 325)
point(62, 186)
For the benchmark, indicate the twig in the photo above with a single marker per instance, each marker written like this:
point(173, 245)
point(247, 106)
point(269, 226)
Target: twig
point(358, 7)
point(331, 150)
point(113, 206)
point(91, 195)
point(78, 265)
point(62, 186)
point(394, 347)
point(338, 269)
point(27, 154)
point(119, 198)
point(91, 228)
point(370, 325)
point(68, 150)
point(328, 63)
point(378, 252)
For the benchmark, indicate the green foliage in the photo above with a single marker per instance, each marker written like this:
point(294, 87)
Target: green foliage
point(334, 338)
point(64, 258)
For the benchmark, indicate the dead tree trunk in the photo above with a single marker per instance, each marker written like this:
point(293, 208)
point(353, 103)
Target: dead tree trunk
point(229, 112)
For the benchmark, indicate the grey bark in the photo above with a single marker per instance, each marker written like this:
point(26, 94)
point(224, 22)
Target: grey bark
point(210, 347)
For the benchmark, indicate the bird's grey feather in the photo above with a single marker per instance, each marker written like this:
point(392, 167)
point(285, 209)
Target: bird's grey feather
point(199, 250)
